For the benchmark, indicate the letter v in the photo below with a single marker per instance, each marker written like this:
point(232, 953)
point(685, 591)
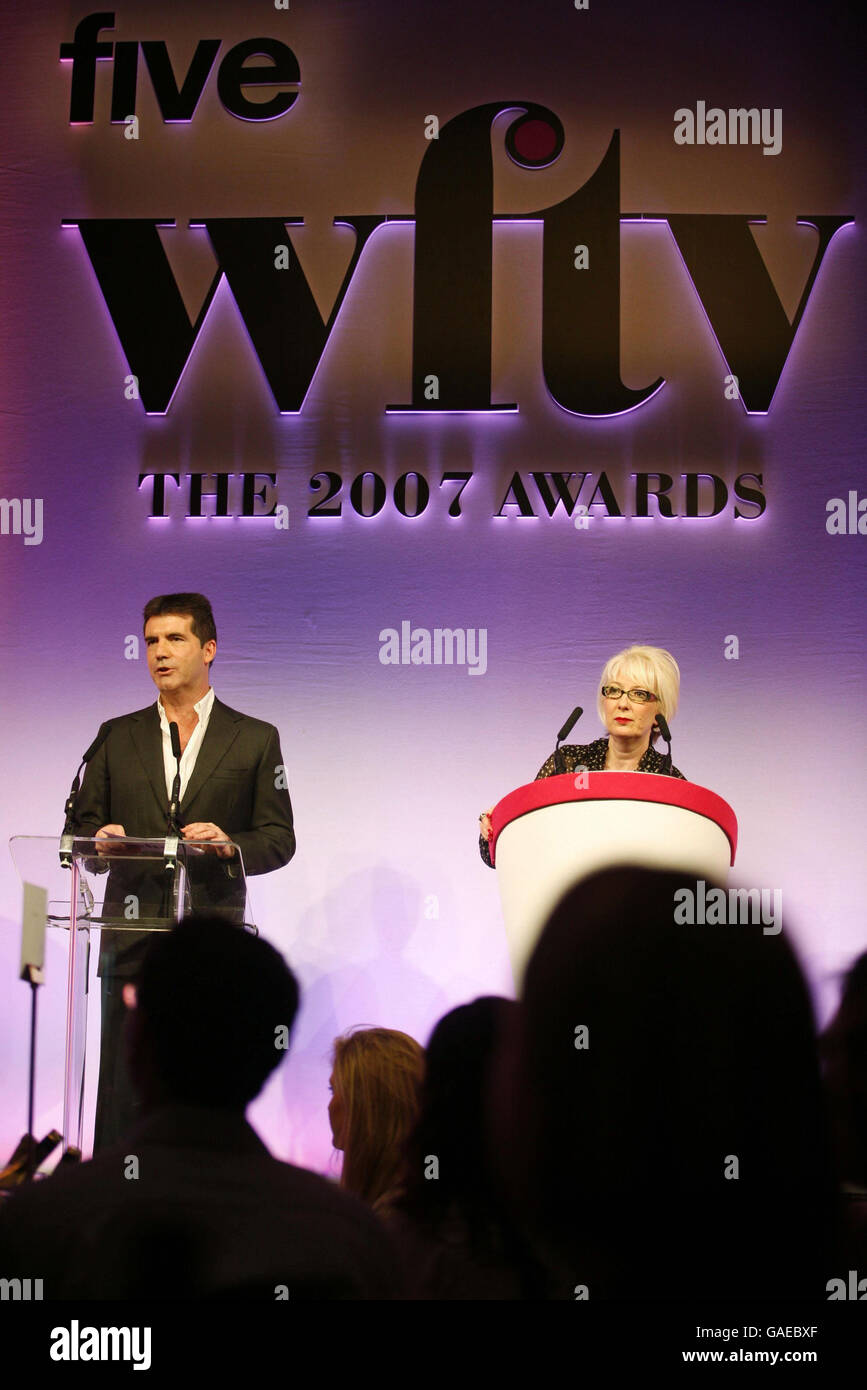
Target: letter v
point(179, 103)
point(739, 298)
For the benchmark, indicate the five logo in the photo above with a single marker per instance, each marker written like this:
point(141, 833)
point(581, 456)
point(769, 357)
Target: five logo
point(177, 100)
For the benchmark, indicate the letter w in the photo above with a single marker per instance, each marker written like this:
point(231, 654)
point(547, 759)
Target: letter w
point(561, 483)
point(279, 311)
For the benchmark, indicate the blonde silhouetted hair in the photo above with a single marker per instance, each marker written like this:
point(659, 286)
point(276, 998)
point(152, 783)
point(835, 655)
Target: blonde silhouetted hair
point(378, 1072)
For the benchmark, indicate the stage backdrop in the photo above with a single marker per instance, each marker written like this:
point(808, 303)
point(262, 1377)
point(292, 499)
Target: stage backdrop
point(467, 345)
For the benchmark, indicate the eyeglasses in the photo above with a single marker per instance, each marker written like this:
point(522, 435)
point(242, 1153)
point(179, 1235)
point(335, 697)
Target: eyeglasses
point(638, 697)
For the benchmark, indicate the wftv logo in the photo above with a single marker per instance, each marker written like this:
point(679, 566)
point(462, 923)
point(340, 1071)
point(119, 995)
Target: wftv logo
point(453, 272)
point(177, 101)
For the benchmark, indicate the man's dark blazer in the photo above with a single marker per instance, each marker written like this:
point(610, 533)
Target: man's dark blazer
point(211, 1213)
point(238, 784)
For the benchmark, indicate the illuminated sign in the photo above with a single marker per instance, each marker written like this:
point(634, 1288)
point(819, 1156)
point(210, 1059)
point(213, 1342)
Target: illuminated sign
point(177, 100)
point(452, 289)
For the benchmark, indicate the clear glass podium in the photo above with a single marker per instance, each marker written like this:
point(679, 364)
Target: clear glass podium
point(121, 890)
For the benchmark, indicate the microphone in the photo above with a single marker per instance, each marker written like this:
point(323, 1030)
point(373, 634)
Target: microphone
point(97, 743)
point(559, 761)
point(68, 834)
point(666, 734)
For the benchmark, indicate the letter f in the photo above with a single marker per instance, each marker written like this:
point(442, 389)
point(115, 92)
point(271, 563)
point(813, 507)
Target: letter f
point(83, 53)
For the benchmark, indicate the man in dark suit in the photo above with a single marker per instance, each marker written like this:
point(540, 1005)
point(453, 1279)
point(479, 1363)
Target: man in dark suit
point(192, 1204)
point(233, 787)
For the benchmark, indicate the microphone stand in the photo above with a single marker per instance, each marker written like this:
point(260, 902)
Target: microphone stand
point(34, 978)
point(68, 834)
point(173, 831)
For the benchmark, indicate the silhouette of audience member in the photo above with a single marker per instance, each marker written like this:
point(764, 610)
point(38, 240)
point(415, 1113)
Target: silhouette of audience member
point(659, 1104)
point(375, 1082)
point(843, 1047)
point(451, 1223)
point(191, 1203)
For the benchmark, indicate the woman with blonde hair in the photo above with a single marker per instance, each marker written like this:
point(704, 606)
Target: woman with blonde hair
point(636, 685)
point(376, 1084)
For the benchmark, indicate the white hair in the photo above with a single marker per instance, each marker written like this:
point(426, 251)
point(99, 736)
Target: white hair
point(650, 668)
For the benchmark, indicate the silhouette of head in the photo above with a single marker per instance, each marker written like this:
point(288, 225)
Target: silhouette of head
point(451, 1123)
point(844, 1051)
point(214, 1012)
point(661, 1097)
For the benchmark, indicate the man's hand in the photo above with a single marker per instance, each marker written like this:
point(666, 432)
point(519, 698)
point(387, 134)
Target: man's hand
point(110, 832)
point(201, 831)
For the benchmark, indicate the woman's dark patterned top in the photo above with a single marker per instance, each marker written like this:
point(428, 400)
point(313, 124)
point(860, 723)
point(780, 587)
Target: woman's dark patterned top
point(592, 757)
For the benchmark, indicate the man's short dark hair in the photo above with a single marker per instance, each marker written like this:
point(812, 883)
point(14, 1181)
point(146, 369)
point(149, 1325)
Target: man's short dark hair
point(193, 606)
point(217, 1006)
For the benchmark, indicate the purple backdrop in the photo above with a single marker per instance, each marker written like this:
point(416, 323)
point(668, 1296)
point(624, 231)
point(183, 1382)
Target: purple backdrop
point(386, 912)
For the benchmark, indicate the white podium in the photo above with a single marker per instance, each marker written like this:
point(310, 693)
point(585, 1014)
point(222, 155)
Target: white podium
point(551, 833)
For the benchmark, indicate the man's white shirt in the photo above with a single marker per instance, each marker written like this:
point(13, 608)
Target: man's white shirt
point(203, 709)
